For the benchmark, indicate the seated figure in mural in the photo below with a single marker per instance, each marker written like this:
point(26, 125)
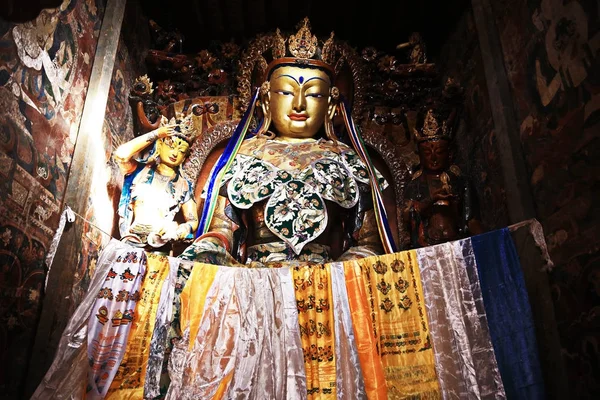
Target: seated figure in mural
point(154, 190)
point(293, 191)
point(438, 201)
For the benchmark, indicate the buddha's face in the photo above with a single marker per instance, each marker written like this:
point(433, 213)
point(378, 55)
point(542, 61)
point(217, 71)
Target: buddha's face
point(172, 151)
point(298, 101)
point(434, 155)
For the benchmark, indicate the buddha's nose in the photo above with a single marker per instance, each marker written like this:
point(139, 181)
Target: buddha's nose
point(299, 103)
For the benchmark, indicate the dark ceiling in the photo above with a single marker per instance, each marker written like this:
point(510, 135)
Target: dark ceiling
point(379, 23)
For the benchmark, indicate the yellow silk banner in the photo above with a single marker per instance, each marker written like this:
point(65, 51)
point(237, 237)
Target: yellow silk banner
point(314, 299)
point(193, 297)
point(129, 380)
point(399, 324)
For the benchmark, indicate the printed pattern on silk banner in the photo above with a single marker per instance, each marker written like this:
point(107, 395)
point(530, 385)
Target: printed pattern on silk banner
point(400, 325)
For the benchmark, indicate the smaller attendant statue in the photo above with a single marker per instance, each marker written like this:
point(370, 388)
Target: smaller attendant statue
point(154, 190)
point(439, 204)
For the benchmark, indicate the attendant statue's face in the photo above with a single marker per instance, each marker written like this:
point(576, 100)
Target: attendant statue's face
point(172, 151)
point(299, 101)
point(434, 155)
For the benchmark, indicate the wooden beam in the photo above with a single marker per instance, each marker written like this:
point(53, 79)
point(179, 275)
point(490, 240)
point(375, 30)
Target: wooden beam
point(516, 177)
point(56, 308)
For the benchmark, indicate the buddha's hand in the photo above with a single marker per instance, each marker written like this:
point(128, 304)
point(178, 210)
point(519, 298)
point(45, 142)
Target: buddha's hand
point(443, 195)
point(168, 231)
point(183, 230)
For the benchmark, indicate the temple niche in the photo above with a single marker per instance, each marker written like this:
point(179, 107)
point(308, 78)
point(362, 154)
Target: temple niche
point(481, 119)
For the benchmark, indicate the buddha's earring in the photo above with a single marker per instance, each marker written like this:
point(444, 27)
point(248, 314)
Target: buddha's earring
point(334, 99)
point(265, 88)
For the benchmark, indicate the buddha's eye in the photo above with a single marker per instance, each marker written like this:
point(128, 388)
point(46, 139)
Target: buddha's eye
point(284, 92)
point(316, 95)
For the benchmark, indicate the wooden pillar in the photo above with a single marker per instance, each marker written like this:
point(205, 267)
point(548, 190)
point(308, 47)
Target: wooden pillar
point(519, 197)
point(56, 303)
point(516, 178)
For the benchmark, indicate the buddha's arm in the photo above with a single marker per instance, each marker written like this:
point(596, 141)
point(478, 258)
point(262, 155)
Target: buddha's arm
point(368, 242)
point(190, 213)
point(214, 246)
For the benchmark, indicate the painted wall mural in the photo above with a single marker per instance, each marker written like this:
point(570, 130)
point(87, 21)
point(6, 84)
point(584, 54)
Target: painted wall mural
point(117, 128)
point(44, 71)
point(551, 51)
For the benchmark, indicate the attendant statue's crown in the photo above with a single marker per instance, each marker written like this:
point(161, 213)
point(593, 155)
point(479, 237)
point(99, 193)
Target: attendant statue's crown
point(433, 127)
point(184, 126)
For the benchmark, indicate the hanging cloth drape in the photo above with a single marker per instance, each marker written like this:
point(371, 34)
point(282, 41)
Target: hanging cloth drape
point(465, 360)
point(509, 314)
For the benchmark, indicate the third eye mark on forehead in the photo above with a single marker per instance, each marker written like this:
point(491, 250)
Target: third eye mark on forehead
point(301, 79)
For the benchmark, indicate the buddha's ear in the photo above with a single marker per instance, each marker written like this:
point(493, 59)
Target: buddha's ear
point(265, 104)
point(334, 100)
point(265, 99)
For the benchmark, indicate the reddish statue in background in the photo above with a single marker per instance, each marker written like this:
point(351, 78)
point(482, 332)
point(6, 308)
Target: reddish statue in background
point(439, 204)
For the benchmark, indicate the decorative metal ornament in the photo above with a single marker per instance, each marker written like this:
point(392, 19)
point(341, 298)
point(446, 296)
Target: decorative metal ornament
point(183, 124)
point(432, 129)
point(303, 44)
point(145, 83)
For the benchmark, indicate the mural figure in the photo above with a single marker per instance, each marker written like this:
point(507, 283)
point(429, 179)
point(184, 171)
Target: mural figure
point(154, 190)
point(293, 191)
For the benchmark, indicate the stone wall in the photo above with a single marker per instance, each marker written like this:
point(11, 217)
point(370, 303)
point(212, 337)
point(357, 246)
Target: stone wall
point(551, 50)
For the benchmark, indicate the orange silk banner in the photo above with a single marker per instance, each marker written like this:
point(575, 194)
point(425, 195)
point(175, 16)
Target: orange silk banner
point(129, 380)
point(399, 324)
point(364, 332)
point(314, 299)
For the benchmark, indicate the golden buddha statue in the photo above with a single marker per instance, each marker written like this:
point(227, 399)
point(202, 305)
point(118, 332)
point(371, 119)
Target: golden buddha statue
point(292, 192)
point(438, 200)
point(154, 190)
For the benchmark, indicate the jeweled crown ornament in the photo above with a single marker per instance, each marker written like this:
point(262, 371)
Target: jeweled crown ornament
point(184, 126)
point(303, 44)
point(302, 48)
point(432, 129)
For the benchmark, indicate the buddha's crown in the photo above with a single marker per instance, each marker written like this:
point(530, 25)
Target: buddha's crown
point(269, 51)
point(302, 48)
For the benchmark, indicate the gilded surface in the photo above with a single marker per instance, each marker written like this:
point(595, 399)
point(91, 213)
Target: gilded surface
point(295, 179)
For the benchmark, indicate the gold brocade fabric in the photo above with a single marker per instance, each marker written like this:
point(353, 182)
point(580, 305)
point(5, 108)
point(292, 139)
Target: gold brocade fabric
point(399, 323)
point(129, 380)
point(314, 297)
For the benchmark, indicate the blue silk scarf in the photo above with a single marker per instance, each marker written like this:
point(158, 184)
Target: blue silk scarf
point(509, 314)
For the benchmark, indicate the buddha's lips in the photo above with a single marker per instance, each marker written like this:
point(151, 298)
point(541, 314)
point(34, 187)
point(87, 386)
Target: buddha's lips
point(172, 158)
point(298, 117)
